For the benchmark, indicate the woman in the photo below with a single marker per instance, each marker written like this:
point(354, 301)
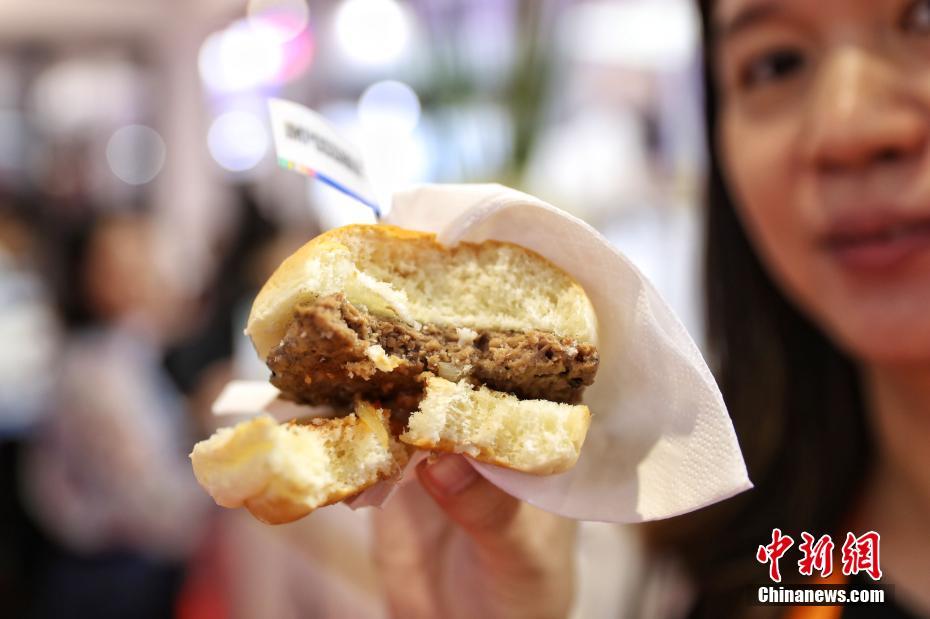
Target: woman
point(818, 298)
point(106, 475)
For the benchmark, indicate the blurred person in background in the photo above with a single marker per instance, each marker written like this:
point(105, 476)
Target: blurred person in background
point(30, 335)
point(106, 474)
point(818, 289)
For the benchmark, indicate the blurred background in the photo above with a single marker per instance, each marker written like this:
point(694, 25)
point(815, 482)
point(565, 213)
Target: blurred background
point(141, 207)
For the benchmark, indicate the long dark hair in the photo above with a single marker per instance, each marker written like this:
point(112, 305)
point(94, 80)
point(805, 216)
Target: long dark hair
point(794, 399)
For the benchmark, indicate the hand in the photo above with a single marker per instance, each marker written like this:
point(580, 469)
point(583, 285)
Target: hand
point(455, 546)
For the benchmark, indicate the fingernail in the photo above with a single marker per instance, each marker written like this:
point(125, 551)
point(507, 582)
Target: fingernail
point(450, 474)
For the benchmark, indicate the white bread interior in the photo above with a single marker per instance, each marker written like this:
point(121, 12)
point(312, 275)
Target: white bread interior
point(404, 274)
point(282, 472)
point(533, 436)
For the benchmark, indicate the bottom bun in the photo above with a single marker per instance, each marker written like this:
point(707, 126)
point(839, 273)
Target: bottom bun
point(282, 472)
point(533, 436)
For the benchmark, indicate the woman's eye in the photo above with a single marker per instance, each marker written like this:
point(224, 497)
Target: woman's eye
point(775, 65)
point(916, 18)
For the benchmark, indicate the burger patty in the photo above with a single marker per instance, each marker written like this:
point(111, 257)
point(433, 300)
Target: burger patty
point(330, 354)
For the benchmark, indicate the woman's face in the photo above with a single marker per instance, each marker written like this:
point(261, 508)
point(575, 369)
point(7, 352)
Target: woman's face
point(824, 128)
point(117, 271)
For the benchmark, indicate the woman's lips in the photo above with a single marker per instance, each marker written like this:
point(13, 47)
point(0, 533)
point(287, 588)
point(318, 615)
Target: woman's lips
point(877, 242)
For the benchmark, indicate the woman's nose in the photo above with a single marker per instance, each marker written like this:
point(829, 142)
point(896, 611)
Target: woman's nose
point(864, 114)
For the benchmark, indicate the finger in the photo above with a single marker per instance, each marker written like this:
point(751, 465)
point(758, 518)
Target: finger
point(409, 528)
point(485, 511)
point(408, 536)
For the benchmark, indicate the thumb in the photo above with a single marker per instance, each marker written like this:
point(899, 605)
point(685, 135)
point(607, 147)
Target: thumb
point(485, 511)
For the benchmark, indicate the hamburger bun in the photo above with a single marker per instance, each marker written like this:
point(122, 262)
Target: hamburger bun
point(282, 472)
point(533, 436)
point(406, 274)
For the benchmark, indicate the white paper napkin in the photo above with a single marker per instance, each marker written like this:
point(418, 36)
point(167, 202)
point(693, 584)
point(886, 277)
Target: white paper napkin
point(661, 442)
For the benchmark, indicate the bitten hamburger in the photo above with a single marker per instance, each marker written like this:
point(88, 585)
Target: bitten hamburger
point(483, 349)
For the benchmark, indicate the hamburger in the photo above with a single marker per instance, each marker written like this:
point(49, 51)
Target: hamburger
point(482, 348)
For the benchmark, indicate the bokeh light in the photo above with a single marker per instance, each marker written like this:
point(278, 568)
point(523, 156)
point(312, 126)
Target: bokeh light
point(298, 55)
point(288, 17)
point(638, 33)
point(372, 32)
point(66, 96)
point(238, 140)
point(241, 57)
point(136, 154)
point(389, 106)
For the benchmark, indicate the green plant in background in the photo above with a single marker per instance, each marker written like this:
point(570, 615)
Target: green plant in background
point(520, 88)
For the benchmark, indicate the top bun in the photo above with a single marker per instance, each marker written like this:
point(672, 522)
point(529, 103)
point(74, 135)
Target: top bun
point(408, 275)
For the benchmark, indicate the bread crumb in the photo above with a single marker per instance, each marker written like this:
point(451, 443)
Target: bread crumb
point(382, 360)
point(466, 335)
